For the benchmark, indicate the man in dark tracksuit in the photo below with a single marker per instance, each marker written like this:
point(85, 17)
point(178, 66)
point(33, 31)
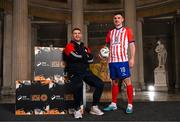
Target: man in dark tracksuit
point(78, 58)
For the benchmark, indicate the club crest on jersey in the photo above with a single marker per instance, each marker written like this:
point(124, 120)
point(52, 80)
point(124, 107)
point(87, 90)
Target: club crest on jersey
point(116, 40)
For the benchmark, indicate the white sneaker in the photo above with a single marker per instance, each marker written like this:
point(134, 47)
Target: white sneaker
point(82, 109)
point(111, 107)
point(129, 109)
point(77, 114)
point(96, 111)
point(71, 110)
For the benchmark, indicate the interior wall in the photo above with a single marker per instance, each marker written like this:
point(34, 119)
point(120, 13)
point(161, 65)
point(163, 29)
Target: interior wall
point(176, 64)
point(152, 32)
point(51, 34)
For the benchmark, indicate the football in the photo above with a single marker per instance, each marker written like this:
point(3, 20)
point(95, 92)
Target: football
point(104, 52)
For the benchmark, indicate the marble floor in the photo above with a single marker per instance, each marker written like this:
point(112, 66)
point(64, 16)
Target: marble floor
point(154, 96)
point(151, 96)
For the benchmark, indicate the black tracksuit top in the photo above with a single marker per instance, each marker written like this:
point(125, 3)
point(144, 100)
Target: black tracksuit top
point(77, 57)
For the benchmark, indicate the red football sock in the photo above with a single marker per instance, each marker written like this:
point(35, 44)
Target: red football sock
point(115, 92)
point(130, 94)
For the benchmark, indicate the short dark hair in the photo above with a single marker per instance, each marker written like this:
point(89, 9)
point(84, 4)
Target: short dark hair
point(119, 13)
point(75, 29)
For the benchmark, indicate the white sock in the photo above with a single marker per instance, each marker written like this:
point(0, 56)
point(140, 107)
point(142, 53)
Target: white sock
point(114, 104)
point(130, 105)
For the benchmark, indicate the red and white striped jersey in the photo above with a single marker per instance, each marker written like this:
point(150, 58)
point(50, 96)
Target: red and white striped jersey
point(119, 40)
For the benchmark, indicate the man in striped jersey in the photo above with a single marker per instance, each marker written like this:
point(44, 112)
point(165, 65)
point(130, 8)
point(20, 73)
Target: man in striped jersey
point(118, 40)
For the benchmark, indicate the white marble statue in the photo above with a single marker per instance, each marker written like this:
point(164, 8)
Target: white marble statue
point(160, 74)
point(162, 54)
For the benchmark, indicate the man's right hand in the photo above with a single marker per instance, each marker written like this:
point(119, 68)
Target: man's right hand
point(131, 63)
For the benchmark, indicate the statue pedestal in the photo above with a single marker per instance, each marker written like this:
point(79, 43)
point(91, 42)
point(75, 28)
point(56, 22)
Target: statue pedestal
point(160, 77)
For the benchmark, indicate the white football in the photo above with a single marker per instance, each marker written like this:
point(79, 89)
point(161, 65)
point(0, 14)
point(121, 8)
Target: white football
point(104, 52)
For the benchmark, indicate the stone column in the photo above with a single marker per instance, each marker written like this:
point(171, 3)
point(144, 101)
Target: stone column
point(86, 43)
point(8, 84)
point(34, 41)
point(130, 21)
point(1, 74)
point(69, 3)
point(77, 15)
point(130, 14)
point(20, 41)
point(139, 49)
point(86, 33)
point(69, 29)
point(69, 23)
point(34, 29)
point(30, 50)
